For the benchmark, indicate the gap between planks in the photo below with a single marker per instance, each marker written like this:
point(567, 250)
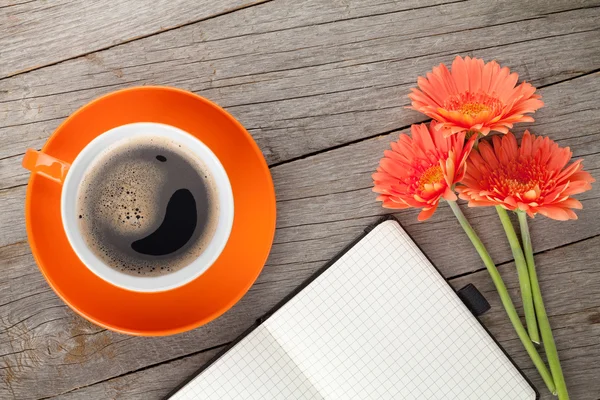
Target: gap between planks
point(125, 41)
point(219, 346)
point(216, 15)
point(348, 19)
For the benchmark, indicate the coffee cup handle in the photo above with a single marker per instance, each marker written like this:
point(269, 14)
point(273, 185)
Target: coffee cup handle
point(45, 165)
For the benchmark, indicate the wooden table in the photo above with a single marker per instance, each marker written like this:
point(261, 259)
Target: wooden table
point(322, 86)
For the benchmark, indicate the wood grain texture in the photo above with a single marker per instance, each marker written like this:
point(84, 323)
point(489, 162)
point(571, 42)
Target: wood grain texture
point(153, 383)
point(38, 33)
point(305, 77)
point(320, 210)
point(308, 87)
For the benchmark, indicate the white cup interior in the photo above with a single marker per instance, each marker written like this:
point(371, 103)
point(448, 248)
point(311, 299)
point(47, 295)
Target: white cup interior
point(86, 159)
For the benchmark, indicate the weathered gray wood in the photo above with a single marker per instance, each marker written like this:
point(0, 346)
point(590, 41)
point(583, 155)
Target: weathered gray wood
point(154, 383)
point(305, 88)
point(313, 225)
point(303, 77)
point(38, 33)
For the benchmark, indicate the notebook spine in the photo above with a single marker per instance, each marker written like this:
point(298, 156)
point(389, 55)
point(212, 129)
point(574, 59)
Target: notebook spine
point(262, 319)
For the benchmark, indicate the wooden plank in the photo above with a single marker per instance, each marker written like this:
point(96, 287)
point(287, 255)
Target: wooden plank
point(302, 89)
point(38, 33)
point(573, 302)
point(146, 384)
point(35, 27)
point(314, 224)
point(12, 216)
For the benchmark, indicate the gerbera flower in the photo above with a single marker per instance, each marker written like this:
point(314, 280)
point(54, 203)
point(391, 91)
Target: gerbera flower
point(475, 97)
point(419, 171)
point(533, 178)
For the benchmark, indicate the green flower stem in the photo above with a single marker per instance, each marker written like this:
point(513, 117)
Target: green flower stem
point(547, 337)
point(504, 297)
point(523, 273)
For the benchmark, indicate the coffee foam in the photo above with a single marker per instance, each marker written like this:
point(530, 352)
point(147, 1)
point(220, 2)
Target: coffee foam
point(117, 204)
point(130, 195)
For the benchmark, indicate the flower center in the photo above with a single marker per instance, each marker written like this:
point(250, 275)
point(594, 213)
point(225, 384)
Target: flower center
point(430, 176)
point(472, 104)
point(519, 177)
point(473, 109)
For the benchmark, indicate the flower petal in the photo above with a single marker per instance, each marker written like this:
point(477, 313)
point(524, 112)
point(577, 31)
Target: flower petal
point(427, 213)
point(472, 82)
point(533, 177)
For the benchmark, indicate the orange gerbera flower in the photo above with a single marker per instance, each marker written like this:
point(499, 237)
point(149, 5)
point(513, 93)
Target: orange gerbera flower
point(474, 96)
point(419, 171)
point(531, 178)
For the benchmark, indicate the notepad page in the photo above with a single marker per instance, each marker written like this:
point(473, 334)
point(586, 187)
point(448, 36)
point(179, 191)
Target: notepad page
point(380, 323)
point(256, 368)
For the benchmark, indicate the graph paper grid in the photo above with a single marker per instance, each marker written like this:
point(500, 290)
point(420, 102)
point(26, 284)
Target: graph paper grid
point(380, 323)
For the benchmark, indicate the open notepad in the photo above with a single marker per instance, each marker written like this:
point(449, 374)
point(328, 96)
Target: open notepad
point(379, 323)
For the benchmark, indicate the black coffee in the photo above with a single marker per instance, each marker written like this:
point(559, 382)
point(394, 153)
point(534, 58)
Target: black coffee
point(147, 207)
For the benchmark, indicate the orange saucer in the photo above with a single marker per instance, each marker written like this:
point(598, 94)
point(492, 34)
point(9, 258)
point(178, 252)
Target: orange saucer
point(223, 284)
